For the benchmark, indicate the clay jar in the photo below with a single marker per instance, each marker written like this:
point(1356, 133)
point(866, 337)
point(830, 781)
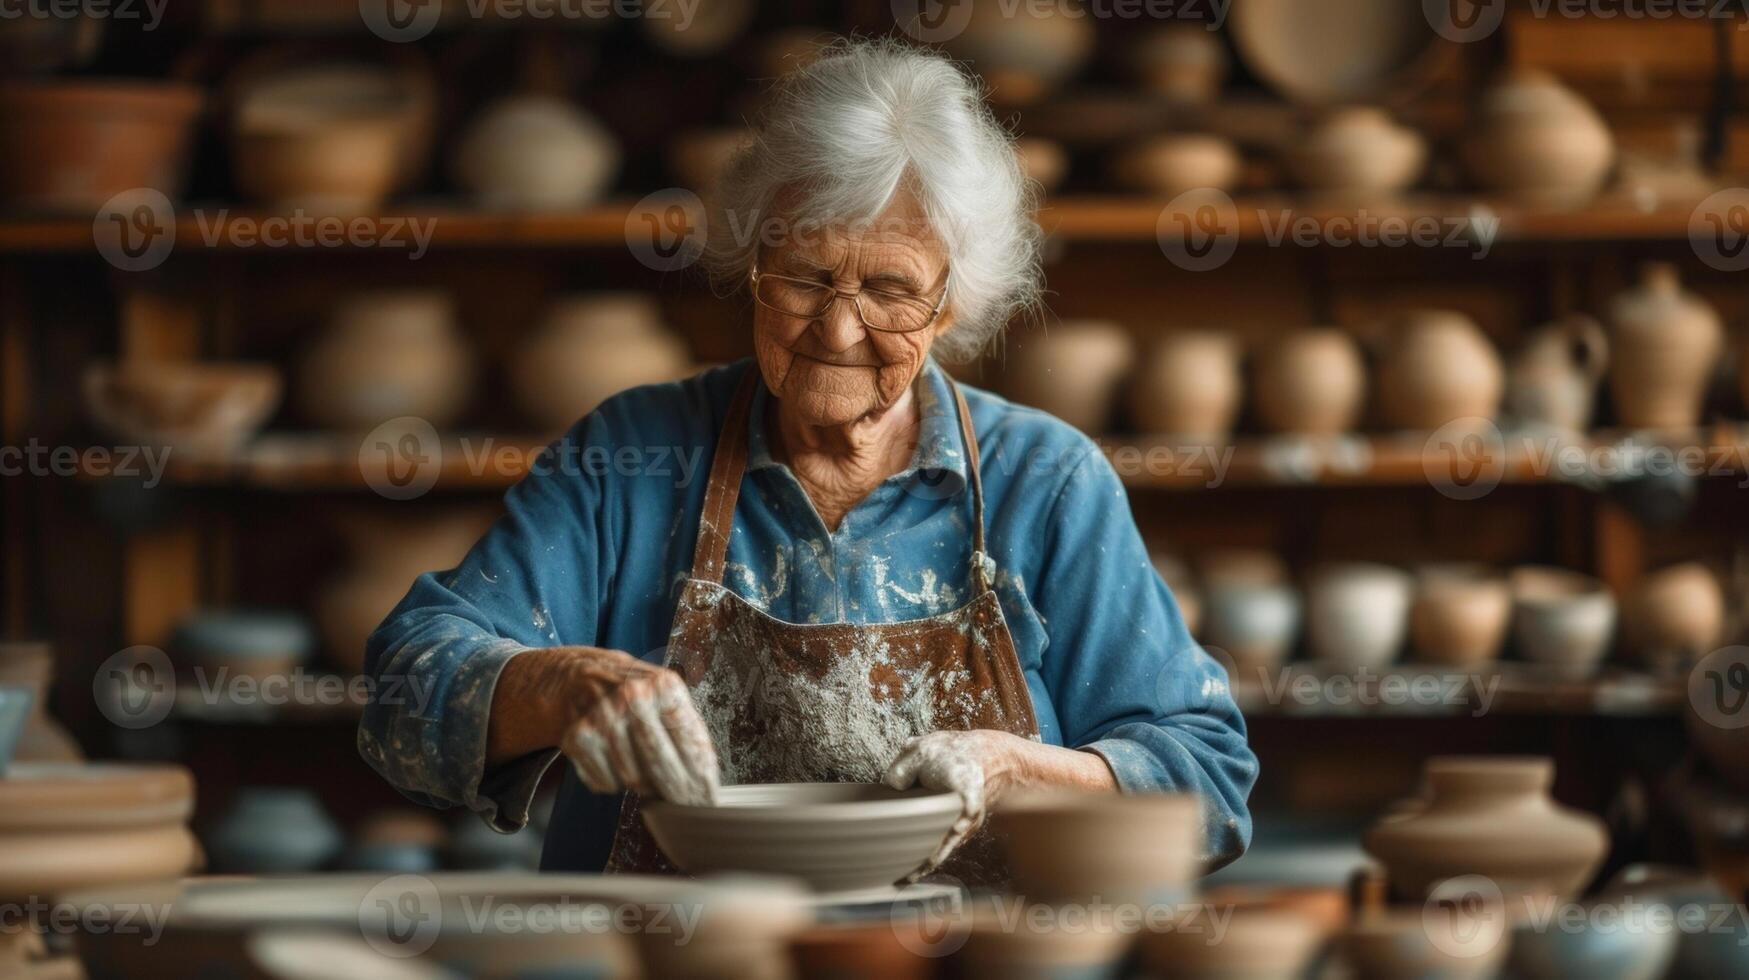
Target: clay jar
point(273, 830)
point(1071, 371)
point(1538, 142)
point(1189, 386)
point(1066, 846)
point(1667, 343)
point(31, 666)
point(1437, 368)
point(1311, 382)
point(588, 348)
point(1491, 816)
point(1553, 380)
point(386, 355)
point(1023, 54)
point(1459, 616)
point(535, 153)
point(1356, 613)
point(1176, 164)
point(1562, 620)
point(1674, 615)
point(1357, 153)
point(1184, 64)
point(70, 146)
point(67, 826)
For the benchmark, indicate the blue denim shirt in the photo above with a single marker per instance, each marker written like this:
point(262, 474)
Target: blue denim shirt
point(598, 539)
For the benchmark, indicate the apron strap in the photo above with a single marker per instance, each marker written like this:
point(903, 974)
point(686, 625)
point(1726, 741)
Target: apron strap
point(729, 465)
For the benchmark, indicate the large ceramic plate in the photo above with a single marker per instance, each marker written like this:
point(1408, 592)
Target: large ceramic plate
point(833, 836)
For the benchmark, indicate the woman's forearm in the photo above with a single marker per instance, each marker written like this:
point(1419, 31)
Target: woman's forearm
point(541, 692)
point(1039, 766)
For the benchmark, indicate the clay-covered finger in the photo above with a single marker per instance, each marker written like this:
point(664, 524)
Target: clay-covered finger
point(667, 774)
point(587, 750)
point(690, 736)
point(612, 723)
point(902, 771)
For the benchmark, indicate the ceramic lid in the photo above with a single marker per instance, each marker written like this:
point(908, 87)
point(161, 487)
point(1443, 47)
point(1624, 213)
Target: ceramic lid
point(66, 796)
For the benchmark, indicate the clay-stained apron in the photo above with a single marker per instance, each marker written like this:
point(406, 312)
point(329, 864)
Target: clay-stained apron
point(788, 702)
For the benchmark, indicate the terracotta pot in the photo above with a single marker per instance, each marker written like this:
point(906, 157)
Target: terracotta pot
point(31, 666)
point(1538, 142)
point(536, 153)
point(1182, 63)
point(70, 146)
point(1177, 577)
point(1341, 51)
point(1311, 382)
point(1553, 380)
point(69, 826)
point(1071, 371)
point(1023, 54)
point(1043, 160)
point(194, 408)
point(1067, 847)
point(1667, 344)
point(1247, 944)
point(869, 951)
point(1357, 153)
point(1460, 615)
point(384, 559)
point(1188, 386)
point(1674, 615)
point(1438, 368)
point(1357, 613)
point(1562, 620)
point(1011, 938)
point(589, 348)
point(1410, 944)
point(1490, 816)
point(331, 167)
point(1172, 165)
point(387, 355)
point(1256, 624)
point(273, 830)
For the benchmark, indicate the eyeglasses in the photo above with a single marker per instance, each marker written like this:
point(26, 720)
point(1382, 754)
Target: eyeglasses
point(884, 310)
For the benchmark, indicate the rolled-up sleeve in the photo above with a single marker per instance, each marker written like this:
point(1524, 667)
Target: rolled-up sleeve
point(1125, 677)
point(534, 580)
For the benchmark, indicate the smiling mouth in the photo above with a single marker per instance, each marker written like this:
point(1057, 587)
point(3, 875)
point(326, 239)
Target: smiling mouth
point(830, 363)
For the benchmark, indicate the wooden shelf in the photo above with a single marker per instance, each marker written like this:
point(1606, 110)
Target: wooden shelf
point(1305, 690)
point(484, 462)
point(1260, 220)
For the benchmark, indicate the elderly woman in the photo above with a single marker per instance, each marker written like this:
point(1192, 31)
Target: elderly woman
point(885, 577)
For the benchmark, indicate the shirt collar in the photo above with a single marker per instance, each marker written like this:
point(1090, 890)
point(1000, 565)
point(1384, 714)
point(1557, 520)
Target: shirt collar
point(939, 457)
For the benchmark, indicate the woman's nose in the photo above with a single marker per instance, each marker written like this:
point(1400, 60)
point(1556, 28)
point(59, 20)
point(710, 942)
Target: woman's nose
point(840, 327)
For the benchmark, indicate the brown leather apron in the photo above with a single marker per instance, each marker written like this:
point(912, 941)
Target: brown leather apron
point(789, 702)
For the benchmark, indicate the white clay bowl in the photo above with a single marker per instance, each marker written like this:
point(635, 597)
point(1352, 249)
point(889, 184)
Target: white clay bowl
point(833, 836)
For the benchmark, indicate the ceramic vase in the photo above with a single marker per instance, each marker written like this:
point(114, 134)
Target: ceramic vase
point(1460, 616)
point(324, 167)
point(1170, 165)
point(387, 355)
point(1562, 620)
point(1357, 613)
point(1667, 344)
point(1553, 379)
point(1538, 142)
point(273, 830)
point(1072, 371)
point(588, 348)
point(1067, 846)
point(1490, 816)
point(1438, 368)
point(1311, 382)
point(1357, 153)
point(1189, 386)
point(1023, 54)
point(535, 153)
point(1255, 623)
point(31, 667)
point(1673, 616)
point(1184, 64)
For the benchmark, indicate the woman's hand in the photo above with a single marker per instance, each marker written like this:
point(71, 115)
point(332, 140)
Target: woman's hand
point(983, 766)
point(624, 723)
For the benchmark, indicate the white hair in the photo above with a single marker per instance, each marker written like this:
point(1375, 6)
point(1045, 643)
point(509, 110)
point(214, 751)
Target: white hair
point(840, 137)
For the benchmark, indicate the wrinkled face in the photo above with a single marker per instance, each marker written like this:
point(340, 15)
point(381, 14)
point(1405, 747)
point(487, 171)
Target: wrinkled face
point(831, 369)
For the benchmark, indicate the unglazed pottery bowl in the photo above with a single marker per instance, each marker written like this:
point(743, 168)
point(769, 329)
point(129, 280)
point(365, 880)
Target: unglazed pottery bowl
point(1232, 944)
point(833, 836)
point(1561, 619)
point(1408, 943)
point(1357, 613)
point(1013, 939)
point(1606, 945)
point(193, 408)
point(1255, 623)
point(1067, 847)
